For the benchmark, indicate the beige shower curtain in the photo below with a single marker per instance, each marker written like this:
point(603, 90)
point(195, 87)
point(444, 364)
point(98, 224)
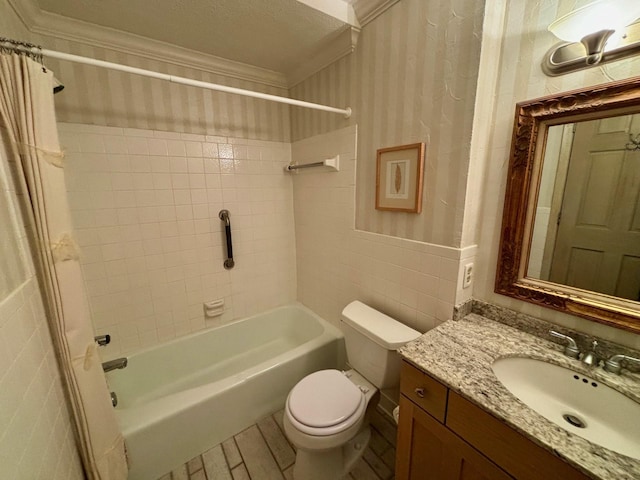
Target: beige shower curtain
point(27, 112)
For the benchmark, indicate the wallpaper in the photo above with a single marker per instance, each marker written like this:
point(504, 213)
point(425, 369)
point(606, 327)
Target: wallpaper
point(411, 79)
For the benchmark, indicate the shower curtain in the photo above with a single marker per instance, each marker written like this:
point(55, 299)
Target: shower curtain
point(27, 112)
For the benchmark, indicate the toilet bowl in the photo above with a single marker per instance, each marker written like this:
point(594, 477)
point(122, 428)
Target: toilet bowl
point(324, 418)
point(325, 415)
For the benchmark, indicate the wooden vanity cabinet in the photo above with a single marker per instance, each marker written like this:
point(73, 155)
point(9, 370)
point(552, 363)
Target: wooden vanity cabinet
point(442, 436)
point(426, 449)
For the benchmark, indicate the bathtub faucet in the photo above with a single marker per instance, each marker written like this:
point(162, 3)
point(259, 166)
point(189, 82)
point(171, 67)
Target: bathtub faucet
point(114, 364)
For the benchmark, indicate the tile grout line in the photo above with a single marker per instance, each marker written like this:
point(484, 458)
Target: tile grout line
point(272, 416)
point(239, 453)
point(283, 432)
point(224, 453)
point(269, 448)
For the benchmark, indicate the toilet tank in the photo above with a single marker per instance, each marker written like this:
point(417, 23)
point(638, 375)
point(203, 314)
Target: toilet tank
point(372, 339)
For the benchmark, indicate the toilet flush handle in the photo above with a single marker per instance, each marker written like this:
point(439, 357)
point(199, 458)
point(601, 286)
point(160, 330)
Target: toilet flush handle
point(419, 392)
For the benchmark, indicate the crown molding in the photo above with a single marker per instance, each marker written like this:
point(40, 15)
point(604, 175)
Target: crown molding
point(50, 24)
point(26, 10)
point(367, 10)
point(341, 46)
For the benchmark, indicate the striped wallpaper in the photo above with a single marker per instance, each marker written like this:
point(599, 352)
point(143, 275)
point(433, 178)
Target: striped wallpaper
point(103, 97)
point(411, 79)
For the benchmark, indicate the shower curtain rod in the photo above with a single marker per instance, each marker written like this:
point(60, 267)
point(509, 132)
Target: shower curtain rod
point(194, 83)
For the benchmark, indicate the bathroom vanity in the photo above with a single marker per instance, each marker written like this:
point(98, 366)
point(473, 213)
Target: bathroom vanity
point(458, 421)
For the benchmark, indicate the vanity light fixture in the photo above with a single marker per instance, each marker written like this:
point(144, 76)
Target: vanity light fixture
point(596, 33)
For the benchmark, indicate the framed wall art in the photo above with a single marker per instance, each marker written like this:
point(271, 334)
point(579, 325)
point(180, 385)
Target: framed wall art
point(399, 175)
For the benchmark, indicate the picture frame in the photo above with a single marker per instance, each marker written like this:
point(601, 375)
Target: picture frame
point(399, 178)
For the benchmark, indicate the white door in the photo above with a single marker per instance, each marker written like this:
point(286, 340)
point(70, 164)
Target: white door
point(598, 242)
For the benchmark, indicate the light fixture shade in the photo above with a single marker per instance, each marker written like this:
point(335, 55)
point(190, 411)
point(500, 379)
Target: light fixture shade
point(594, 17)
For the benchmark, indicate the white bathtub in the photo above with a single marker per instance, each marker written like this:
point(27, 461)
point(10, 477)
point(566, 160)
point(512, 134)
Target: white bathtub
point(178, 399)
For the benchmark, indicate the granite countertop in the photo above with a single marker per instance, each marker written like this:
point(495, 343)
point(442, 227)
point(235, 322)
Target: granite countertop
point(460, 353)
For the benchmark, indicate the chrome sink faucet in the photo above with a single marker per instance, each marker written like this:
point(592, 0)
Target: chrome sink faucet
point(115, 364)
point(571, 350)
point(591, 358)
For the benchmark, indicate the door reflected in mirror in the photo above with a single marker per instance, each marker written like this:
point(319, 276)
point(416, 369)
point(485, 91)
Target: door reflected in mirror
point(586, 231)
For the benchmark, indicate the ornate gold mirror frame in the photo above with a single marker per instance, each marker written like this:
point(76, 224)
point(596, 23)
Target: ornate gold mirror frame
point(532, 120)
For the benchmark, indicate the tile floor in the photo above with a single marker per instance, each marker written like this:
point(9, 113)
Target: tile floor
point(262, 452)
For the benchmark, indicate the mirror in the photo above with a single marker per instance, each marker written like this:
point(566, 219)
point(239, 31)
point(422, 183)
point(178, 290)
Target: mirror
point(571, 226)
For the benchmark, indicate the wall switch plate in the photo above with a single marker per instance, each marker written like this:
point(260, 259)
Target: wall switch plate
point(467, 276)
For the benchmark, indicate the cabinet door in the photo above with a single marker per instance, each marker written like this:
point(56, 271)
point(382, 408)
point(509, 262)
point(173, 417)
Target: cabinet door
point(427, 450)
point(511, 450)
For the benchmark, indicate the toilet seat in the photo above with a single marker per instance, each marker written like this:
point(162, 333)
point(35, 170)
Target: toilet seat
point(325, 403)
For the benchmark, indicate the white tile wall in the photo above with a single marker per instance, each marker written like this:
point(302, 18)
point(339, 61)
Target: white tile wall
point(36, 435)
point(145, 210)
point(417, 283)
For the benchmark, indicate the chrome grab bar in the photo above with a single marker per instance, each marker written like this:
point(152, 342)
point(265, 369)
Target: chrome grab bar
point(224, 216)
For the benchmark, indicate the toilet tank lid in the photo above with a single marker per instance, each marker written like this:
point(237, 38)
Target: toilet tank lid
point(381, 328)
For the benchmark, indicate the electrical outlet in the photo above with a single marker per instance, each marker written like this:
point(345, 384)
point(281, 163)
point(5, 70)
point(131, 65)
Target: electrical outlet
point(467, 276)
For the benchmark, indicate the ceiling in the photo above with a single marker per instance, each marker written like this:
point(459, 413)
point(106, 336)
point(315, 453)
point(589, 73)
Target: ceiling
point(276, 35)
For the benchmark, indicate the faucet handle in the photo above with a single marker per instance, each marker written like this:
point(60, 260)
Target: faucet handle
point(571, 350)
point(613, 365)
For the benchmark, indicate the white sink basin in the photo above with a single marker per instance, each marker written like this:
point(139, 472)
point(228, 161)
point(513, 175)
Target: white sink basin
point(577, 403)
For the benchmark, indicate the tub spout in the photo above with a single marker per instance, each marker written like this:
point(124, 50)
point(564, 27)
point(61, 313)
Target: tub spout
point(114, 364)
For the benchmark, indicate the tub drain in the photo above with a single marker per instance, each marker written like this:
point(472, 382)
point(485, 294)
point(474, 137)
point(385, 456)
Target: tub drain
point(575, 421)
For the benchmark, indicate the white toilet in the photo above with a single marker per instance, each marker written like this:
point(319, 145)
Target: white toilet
point(325, 411)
